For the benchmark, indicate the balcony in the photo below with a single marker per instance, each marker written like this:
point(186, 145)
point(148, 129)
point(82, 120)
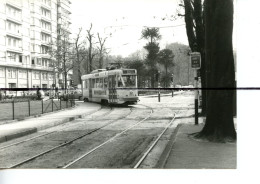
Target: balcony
point(46, 6)
point(46, 31)
point(16, 34)
point(45, 18)
point(14, 49)
point(17, 19)
point(64, 3)
point(15, 3)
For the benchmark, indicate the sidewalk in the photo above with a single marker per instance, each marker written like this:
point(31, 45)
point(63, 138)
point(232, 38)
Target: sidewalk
point(183, 152)
point(15, 129)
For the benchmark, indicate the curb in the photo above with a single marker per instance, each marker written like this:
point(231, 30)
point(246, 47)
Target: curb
point(166, 152)
point(18, 134)
point(34, 130)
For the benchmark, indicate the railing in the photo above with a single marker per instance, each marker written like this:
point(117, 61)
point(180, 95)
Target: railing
point(19, 107)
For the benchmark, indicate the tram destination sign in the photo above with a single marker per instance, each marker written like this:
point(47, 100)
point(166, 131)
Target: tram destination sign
point(195, 60)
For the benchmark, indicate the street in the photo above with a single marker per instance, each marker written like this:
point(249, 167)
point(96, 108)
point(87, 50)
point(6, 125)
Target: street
point(111, 137)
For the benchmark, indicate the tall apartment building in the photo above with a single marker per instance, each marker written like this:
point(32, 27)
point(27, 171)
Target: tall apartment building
point(27, 27)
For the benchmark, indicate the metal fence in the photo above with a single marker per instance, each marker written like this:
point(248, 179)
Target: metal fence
point(20, 109)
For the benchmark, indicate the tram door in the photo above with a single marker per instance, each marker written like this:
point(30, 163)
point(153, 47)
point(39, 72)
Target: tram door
point(91, 85)
point(112, 96)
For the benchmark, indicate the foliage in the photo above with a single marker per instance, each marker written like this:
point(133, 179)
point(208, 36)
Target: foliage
point(165, 80)
point(151, 34)
point(165, 57)
point(182, 71)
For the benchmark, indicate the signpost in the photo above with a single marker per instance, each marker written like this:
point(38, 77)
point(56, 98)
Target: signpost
point(196, 64)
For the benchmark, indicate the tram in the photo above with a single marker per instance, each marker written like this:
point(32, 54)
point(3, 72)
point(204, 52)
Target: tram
point(118, 86)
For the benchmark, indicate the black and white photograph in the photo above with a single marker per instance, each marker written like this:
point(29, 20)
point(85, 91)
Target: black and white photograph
point(126, 87)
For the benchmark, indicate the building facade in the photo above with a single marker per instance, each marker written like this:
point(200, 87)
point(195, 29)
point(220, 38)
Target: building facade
point(27, 29)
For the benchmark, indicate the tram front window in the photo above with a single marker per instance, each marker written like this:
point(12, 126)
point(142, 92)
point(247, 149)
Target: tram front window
point(129, 80)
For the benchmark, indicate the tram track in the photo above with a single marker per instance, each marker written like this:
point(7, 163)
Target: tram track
point(69, 142)
point(140, 161)
point(106, 142)
point(51, 132)
point(146, 151)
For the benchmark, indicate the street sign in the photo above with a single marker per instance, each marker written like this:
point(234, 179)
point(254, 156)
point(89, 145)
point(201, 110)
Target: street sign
point(195, 60)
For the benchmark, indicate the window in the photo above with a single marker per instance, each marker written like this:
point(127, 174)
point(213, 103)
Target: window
point(96, 83)
point(2, 72)
point(129, 80)
point(36, 75)
point(86, 83)
point(12, 85)
point(92, 83)
point(105, 82)
point(13, 27)
point(45, 37)
point(33, 61)
point(38, 61)
point(100, 83)
point(44, 49)
point(50, 76)
point(46, 25)
point(13, 42)
point(46, 13)
point(12, 56)
point(11, 73)
point(44, 62)
point(33, 47)
point(22, 74)
point(47, 2)
point(43, 76)
point(13, 12)
point(20, 58)
point(119, 81)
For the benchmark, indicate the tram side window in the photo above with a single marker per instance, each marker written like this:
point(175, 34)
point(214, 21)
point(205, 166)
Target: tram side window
point(97, 83)
point(86, 83)
point(92, 83)
point(101, 83)
point(119, 82)
point(112, 82)
point(105, 83)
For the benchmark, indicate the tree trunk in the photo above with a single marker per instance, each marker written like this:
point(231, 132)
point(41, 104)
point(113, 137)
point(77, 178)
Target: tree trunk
point(220, 71)
point(79, 76)
point(189, 22)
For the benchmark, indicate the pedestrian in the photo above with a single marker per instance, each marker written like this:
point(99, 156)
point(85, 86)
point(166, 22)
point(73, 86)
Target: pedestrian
point(38, 94)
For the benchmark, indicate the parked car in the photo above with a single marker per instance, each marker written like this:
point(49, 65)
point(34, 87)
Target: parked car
point(72, 94)
point(78, 94)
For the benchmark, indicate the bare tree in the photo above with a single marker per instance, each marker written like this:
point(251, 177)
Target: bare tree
point(61, 54)
point(91, 53)
point(81, 55)
point(101, 50)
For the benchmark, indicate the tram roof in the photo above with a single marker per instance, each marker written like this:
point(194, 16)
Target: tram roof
point(109, 72)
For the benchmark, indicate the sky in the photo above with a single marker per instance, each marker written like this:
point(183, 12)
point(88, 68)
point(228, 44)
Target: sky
point(122, 22)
